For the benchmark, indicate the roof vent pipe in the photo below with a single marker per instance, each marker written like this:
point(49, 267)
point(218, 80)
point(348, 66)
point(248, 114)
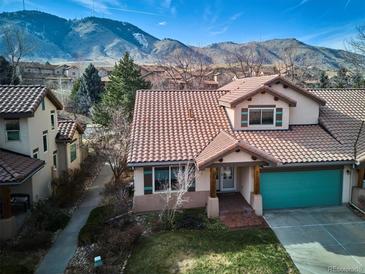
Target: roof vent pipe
point(190, 114)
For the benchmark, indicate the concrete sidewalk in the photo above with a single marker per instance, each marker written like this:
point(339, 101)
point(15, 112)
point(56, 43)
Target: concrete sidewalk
point(57, 258)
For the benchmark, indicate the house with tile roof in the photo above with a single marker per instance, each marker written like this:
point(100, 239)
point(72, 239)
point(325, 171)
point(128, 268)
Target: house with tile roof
point(277, 144)
point(35, 146)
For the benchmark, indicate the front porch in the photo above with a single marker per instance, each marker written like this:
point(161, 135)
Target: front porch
point(235, 195)
point(235, 212)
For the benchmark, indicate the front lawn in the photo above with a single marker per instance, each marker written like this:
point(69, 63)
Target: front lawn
point(210, 251)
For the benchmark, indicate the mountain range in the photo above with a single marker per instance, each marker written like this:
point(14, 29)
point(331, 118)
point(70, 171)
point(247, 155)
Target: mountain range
point(100, 39)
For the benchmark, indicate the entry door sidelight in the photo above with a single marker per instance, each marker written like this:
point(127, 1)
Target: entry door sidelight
point(227, 178)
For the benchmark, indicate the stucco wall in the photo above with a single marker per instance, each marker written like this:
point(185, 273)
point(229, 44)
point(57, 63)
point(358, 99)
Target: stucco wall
point(37, 124)
point(202, 181)
point(76, 163)
point(245, 181)
point(153, 202)
point(306, 112)
point(260, 99)
point(236, 157)
point(21, 146)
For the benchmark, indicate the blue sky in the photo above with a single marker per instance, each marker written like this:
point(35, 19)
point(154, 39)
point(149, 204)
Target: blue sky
point(319, 22)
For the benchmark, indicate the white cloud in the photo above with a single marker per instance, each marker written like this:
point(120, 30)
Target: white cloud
point(163, 23)
point(104, 6)
point(222, 28)
point(301, 3)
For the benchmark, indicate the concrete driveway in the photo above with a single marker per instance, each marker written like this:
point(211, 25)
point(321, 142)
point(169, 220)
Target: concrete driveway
point(321, 240)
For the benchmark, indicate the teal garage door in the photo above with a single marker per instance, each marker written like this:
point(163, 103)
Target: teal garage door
point(291, 189)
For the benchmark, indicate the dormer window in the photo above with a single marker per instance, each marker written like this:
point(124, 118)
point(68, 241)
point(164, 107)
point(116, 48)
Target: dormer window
point(261, 116)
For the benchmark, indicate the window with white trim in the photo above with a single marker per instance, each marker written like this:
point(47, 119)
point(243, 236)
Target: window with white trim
point(45, 141)
point(165, 178)
point(53, 119)
point(261, 116)
point(12, 130)
point(35, 153)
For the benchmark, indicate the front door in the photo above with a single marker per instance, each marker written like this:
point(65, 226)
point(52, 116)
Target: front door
point(226, 179)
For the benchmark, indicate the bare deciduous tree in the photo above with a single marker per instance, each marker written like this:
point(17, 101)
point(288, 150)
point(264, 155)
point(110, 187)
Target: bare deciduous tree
point(174, 200)
point(111, 142)
point(16, 47)
point(186, 69)
point(356, 45)
point(245, 62)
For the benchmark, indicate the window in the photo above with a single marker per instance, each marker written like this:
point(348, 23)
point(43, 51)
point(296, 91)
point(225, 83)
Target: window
point(53, 119)
point(55, 158)
point(45, 144)
point(13, 130)
point(261, 116)
point(73, 152)
point(35, 153)
point(166, 178)
point(43, 104)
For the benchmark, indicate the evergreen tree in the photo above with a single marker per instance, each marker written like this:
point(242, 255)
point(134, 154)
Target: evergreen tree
point(5, 71)
point(75, 89)
point(125, 80)
point(342, 79)
point(358, 80)
point(323, 80)
point(89, 92)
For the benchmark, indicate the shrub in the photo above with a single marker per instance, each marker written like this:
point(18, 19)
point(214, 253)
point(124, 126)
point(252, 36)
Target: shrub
point(33, 241)
point(14, 269)
point(68, 187)
point(46, 216)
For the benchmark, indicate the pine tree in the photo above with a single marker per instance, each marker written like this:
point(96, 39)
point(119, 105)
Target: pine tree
point(5, 71)
point(323, 80)
point(342, 79)
point(125, 80)
point(89, 92)
point(358, 80)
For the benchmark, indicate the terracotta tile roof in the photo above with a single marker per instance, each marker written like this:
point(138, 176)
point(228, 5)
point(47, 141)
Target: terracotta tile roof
point(343, 116)
point(162, 131)
point(14, 168)
point(245, 87)
point(22, 101)
point(67, 129)
point(225, 143)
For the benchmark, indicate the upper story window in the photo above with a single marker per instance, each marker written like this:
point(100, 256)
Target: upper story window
point(261, 116)
point(53, 119)
point(73, 152)
point(43, 103)
point(55, 158)
point(45, 143)
point(13, 130)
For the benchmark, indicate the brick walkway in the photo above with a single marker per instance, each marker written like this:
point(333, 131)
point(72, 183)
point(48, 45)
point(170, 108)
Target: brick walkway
point(236, 213)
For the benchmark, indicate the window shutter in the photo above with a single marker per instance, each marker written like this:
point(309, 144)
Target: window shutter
point(147, 174)
point(279, 117)
point(244, 117)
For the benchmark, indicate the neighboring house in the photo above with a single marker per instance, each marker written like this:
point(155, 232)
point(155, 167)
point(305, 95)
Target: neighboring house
point(69, 145)
point(29, 145)
point(279, 145)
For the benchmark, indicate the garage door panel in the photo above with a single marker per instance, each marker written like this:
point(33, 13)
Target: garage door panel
point(301, 188)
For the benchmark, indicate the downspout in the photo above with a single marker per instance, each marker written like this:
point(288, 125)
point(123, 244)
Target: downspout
point(355, 155)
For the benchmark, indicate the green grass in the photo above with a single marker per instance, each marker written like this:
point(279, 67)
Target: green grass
point(210, 251)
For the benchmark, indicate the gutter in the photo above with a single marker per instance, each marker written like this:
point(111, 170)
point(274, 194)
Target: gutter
point(314, 164)
point(162, 163)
